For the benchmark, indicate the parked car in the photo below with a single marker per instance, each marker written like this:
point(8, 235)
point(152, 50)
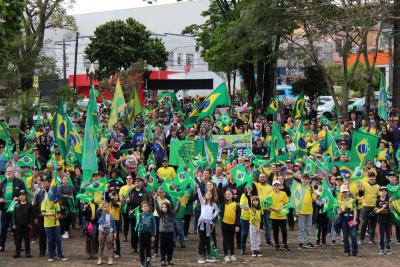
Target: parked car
point(325, 105)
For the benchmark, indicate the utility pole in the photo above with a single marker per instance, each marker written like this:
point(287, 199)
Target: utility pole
point(64, 61)
point(76, 59)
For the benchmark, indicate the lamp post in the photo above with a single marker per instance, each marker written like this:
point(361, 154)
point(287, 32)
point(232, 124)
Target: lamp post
point(91, 69)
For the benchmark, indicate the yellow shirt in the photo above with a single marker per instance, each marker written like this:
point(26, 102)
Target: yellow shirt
point(115, 211)
point(98, 198)
point(230, 213)
point(255, 217)
point(165, 173)
point(124, 189)
point(309, 197)
point(245, 214)
point(47, 207)
point(278, 201)
point(370, 194)
point(263, 190)
point(348, 203)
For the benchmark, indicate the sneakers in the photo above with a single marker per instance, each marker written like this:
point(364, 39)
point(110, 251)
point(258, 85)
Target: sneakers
point(360, 242)
point(63, 259)
point(258, 254)
point(309, 245)
point(201, 260)
point(171, 262)
point(371, 241)
point(211, 259)
point(381, 253)
point(50, 260)
point(163, 263)
point(254, 254)
point(99, 261)
point(65, 235)
point(183, 245)
point(389, 252)
point(300, 246)
point(269, 244)
point(286, 247)
point(398, 242)
point(233, 258)
point(16, 256)
point(277, 247)
point(333, 242)
point(110, 261)
point(227, 259)
point(116, 256)
point(242, 252)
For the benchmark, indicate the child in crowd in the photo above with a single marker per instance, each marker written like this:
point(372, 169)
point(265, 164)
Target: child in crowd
point(166, 230)
point(279, 218)
point(107, 231)
point(348, 220)
point(230, 214)
point(23, 219)
point(255, 226)
point(384, 221)
point(209, 211)
point(90, 227)
point(146, 228)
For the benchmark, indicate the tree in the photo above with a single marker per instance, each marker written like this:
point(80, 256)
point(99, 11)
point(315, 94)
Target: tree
point(313, 84)
point(118, 44)
point(11, 15)
point(396, 54)
point(39, 16)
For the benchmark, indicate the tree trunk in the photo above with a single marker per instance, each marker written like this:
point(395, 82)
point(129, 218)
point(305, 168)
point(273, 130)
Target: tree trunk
point(247, 71)
point(260, 80)
point(396, 57)
point(269, 81)
point(368, 94)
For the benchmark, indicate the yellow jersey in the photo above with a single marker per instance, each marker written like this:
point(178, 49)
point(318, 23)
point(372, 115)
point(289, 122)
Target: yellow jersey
point(263, 190)
point(165, 173)
point(229, 213)
point(245, 214)
point(370, 194)
point(309, 197)
point(255, 216)
point(48, 207)
point(278, 201)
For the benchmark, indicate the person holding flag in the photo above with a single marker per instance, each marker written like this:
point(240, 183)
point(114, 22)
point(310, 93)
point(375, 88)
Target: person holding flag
point(348, 221)
point(9, 192)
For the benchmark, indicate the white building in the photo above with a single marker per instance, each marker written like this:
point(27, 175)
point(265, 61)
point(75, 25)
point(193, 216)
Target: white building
point(164, 21)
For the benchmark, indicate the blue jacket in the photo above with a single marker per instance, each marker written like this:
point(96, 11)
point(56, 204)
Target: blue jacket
point(112, 221)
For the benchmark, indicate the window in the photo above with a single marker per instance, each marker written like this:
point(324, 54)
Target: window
point(179, 59)
point(171, 58)
point(189, 59)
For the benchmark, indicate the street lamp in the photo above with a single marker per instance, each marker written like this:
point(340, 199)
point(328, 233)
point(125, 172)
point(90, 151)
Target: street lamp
point(91, 69)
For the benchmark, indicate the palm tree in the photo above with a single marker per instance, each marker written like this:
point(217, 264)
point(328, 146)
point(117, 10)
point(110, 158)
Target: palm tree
point(21, 106)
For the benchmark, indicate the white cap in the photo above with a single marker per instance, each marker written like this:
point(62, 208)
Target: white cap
point(276, 182)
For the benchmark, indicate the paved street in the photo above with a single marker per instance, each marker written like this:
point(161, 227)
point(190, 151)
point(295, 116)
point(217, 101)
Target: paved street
point(326, 256)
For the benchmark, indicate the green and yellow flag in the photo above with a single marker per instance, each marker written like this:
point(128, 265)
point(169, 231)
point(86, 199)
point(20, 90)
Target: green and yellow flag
point(85, 198)
point(382, 104)
point(169, 99)
point(218, 97)
point(297, 195)
point(299, 110)
point(134, 106)
point(273, 106)
point(117, 106)
point(31, 134)
point(4, 131)
point(240, 175)
point(27, 160)
point(277, 142)
point(98, 186)
point(310, 166)
point(74, 140)
point(300, 141)
point(331, 147)
point(363, 146)
point(358, 173)
point(152, 181)
point(60, 128)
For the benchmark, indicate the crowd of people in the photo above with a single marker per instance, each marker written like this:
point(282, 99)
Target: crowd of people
point(155, 221)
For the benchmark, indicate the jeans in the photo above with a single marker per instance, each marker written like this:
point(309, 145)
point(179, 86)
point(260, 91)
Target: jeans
point(6, 222)
point(267, 226)
point(134, 234)
point(349, 232)
point(42, 237)
point(54, 240)
point(322, 227)
point(204, 242)
point(305, 224)
point(166, 246)
point(244, 227)
point(368, 218)
point(228, 238)
point(157, 237)
point(179, 230)
point(125, 230)
point(276, 225)
point(186, 220)
point(385, 228)
point(117, 241)
point(254, 237)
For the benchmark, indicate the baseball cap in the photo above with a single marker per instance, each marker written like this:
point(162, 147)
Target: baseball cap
point(383, 188)
point(276, 182)
point(344, 188)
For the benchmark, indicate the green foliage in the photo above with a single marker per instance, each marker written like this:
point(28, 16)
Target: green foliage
point(313, 84)
point(20, 106)
point(11, 15)
point(119, 44)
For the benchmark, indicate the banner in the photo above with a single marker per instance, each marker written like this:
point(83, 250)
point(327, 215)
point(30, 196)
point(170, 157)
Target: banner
point(181, 153)
point(240, 141)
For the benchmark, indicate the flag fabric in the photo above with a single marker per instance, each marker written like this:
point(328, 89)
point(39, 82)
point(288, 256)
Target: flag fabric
point(266, 202)
point(363, 146)
point(31, 134)
point(85, 198)
point(137, 216)
point(4, 131)
point(344, 167)
point(325, 121)
point(234, 155)
point(225, 119)
point(207, 149)
point(8, 151)
point(297, 195)
point(331, 147)
point(331, 203)
point(90, 141)
point(336, 131)
point(181, 177)
point(52, 195)
point(169, 99)
point(273, 106)
point(151, 159)
point(152, 181)
point(181, 152)
point(12, 206)
point(141, 171)
point(117, 106)
point(299, 109)
point(213, 249)
point(394, 194)
point(218, 97)
point(382, 103)
point(27, 160)
point(277, 142)
point(358, 173)
point(134, 106)
point(300, 141)
point(98, 186)
point(240, 175)
point(310, 166)
point(60, 128)
point(74, 139)
point(71, 158)
point(170, 189)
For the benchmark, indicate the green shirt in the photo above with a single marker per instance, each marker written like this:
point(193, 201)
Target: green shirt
point(8, 193)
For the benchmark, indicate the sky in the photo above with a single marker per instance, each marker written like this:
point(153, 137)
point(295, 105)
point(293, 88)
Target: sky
point(89, 6)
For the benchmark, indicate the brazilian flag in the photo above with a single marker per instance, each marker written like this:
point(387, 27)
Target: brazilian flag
point(299, 110)
point(170, 189)
point(240, 175)
point(310, 167)
point(28, 160)
point(273, 106)
point(331, 203)
point(363, 146)
point(152, 181)
point(31, 134)
point(218, 97)
point(266, 202)
point(299, 140)
point(74, 140)
point(358, 173)
point(297, 195)
point(85, 198)
point(60, 127)
point(225, 119)
point(141, 171)
point(4, 131)
point(344, 167)
point(277, 142)
point(182, 178)
point(331, 147)
point(98, 186)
